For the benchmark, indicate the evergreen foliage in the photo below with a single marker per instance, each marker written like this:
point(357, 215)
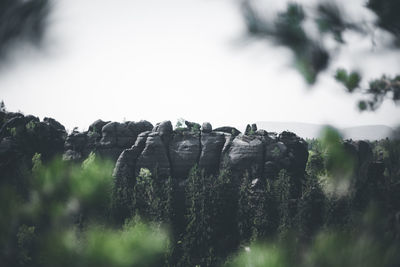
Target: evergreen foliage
point(66, 216)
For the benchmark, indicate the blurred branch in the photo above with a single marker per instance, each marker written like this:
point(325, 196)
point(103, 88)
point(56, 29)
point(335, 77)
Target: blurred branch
point(22, 20)
point(311, 57)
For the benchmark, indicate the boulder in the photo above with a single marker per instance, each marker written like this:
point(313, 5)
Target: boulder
point(54, 124)
point(246, 153)
point(139, 127)
point(109, 141)
point(97, 126)
point(109, 135)
point(163, 128)
point(206, 127)
point(117, 134)
point(227, 129)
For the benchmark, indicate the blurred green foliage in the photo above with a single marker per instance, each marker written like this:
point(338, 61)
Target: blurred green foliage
point(294, 28)
point(339, 163)
point(329, 229)
point(65, 221)
point(350, 81)
point(259, 255)
point(213, 220)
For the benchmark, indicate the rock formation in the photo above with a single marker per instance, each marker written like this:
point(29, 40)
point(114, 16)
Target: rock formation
point(136, 145)
point(108, 139)
point(20, 138)
point(174, 153)
point(165, 152)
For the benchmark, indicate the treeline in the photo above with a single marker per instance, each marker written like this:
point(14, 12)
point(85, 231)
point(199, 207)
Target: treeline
point(344, 211)
point(212, 217)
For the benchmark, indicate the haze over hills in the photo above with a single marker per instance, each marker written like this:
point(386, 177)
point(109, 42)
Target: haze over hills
point(309, 130)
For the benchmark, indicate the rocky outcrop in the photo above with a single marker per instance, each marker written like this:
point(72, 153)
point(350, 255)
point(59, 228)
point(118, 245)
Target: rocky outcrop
point(174, 153)
point(162, 150)
point(227, 129)
point(107, 139)
point(296, 153)
point(21, 137)
point(29, 135)
point(206, 127)
point(154, 156)
point(166, 152)
point(245, 153)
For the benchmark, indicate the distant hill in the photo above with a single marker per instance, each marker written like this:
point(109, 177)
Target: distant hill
point(309, 130)
point(368, 132)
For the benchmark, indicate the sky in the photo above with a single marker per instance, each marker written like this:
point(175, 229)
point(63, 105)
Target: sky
point(168, 59)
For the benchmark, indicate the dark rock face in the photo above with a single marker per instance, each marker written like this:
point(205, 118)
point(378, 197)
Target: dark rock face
point(245, 153)
point(23, 136)
point(227, 129)
point(97, 126)
point(30, 135)
point(297, 151)
point(107, 139)
point(154, 156)
point(250, 130)
point(169, 153)
point(174, 153)
point(163, 128)
point(126, 163)
point(160, 149)
point(211, 149)
point(184, 151)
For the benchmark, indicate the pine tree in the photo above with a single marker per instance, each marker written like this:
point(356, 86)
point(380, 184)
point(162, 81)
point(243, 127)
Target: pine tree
point(225, 204)
point(282, 193)
point(144, 196)
point(266, 218)
point(197, 241)
point(311, 209)
point(245, 209)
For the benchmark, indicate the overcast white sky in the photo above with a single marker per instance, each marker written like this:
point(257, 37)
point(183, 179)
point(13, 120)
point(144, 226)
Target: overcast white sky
point(167, 59)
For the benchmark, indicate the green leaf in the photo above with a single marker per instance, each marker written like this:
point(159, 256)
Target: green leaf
point(353, 81)
point(362, 105)
point(350, 81)
point(341, 75)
